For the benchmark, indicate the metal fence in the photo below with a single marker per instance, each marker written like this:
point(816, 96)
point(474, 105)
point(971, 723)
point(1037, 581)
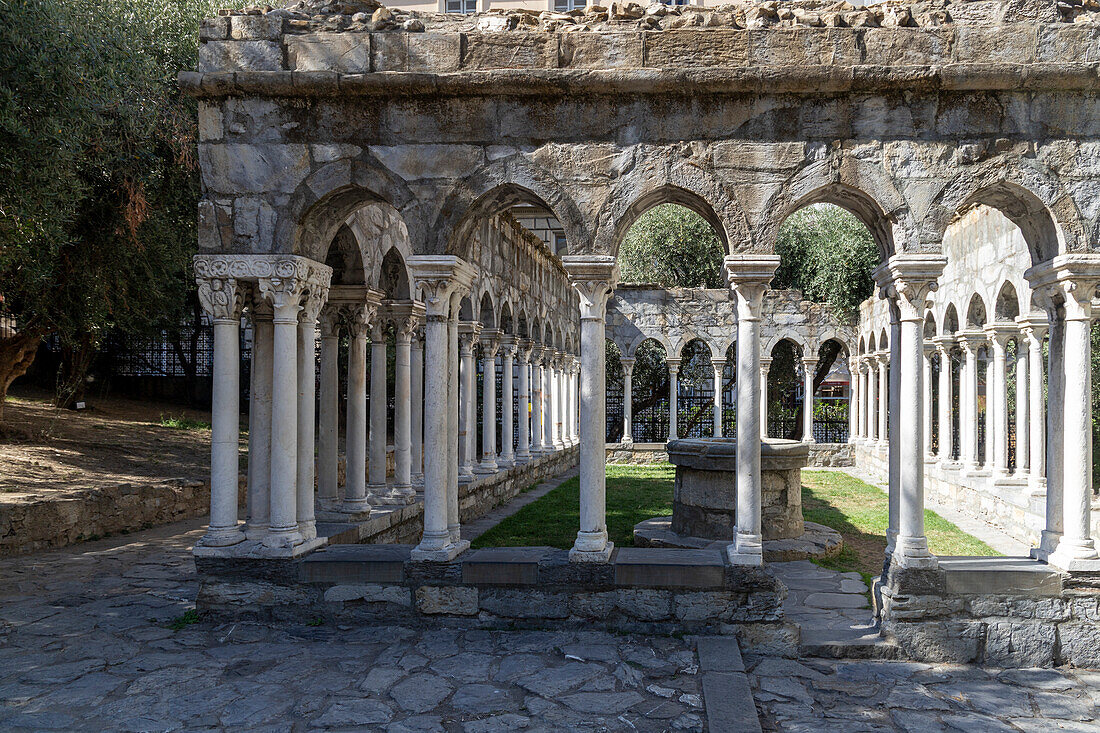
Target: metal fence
point(831, 421)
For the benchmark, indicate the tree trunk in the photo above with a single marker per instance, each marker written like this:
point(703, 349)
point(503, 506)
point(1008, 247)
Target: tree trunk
point(76, 359)
point(17, 352)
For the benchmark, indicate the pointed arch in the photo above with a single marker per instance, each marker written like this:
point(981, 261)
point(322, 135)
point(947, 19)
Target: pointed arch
point(1007, 306)
point(976, 312)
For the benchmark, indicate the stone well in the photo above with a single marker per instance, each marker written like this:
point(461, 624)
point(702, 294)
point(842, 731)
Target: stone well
point(704, 500)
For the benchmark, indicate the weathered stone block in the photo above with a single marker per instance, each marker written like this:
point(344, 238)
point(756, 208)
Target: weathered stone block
point(706, 606)
point(803, 47)
point(643, 604)
point(1014, 44)
point(697, 48)
point(938, 641)
point(1079, 643)
point(1013, 643)
point(214, 29)
point(438, 52)
point(389, 51)
point(1059, 43)
point(907, 46)
point(255, 27)
point(450, 600)
point(601, 51)
point(757, 156)
point(415, 162)
point(211, 122)
point(257, 168)
point(240, 56)
point(341, 52)
point(766, 639)
point(593, 605)
point(524, 603)
point(510, 50)
point(369, 593)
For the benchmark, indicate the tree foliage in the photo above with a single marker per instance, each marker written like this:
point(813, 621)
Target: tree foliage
point(673, 247)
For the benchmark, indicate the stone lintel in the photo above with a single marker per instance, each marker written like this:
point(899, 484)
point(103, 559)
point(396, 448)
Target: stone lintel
point(503, 565)
point(357, 564)
point(669, 568)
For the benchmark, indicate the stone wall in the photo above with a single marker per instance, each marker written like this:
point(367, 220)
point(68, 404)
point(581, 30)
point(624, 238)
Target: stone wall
point(636, 453)
point(831, 455)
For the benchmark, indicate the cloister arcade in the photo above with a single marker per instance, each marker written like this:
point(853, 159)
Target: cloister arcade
point(448, 130)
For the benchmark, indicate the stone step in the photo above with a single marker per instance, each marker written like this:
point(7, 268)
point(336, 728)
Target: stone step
point(727, 695)
point(857, 643)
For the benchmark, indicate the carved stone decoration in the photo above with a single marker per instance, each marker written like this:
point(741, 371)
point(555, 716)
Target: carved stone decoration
point(221, 297)
point(594, 278)
point(908, 280)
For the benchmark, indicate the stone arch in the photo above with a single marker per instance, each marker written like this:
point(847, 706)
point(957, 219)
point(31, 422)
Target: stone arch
point(862, 346)
point(523, 325)
point(465, 309)
point(690, 336)
point(658, 338)
point(507, 322)
point(393, 276)
point(496, 187)
point(826, 335)
point(883, 340)
point(487, 310)
point(929, 325)
point(871, 348)
point(795, 340)
point(976, 312)
point(950, 320)
point(345, 257)
point(860, 187)
point(1007, 305)
point(1047, 216)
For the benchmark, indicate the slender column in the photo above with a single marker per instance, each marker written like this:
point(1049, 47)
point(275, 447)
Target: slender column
point(893, 422)
point(307, 407)
point(997, 403)
point(454, 446)
point(508, 356)
point(947, 438)
point(548, 402)
point(1023, 400)
point(1076, 421)
point(883, 397)
point(854, 385)
point(987, 419)
point(376, 468)
point(407, 318)
point(765, 367)
point(438, 279)
point(223, 299)
point(468, 337)
point(355, 489)
point(673, 398)
point(559, 401)
point(259, 422)
point(628, 399)
point(869, 400)
point(1034, 333)
point(808, 368)
point(909, 280)
point(593, 277)
point(719, 365)
point(416, 399)
point(537, 355)
point(570, 418)
point(926, 361)
point(328, 433)
point(748, 276)
point(968, 403)
point(490, 343)
point(523, 352)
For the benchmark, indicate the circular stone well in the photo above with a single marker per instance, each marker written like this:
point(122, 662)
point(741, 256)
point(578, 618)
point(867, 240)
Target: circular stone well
point(704, 500)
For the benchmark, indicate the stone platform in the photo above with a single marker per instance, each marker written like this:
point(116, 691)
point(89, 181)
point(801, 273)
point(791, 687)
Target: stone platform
point(815, 543)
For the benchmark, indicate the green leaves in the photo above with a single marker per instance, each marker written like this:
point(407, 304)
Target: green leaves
point(672, 246)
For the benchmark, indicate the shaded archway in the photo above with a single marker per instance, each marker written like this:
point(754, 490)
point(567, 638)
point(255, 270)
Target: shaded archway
point(785, 388)
point(650, 403)
point(695, 391)
point(831, 393)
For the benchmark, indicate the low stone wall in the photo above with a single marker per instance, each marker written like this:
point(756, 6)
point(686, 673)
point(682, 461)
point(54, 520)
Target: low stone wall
point(639, 590)
point(1002, 612)
point(636, 453)
point(475, 499)
point(831, 455)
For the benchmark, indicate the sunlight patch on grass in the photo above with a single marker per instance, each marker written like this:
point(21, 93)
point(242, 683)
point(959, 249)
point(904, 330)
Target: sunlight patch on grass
point(179, 422)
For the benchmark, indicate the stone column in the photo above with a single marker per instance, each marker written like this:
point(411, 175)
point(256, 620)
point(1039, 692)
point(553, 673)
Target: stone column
point(673, 398)
point(883, 398)
point(909, 279)
point(548, 402)
point(749, 276)
point(437, 279)
point(628, 397)
point(307, 407)
point(719, 365)
point(997, 402)
point(947, 438)
point(968, 405)
point(1077, 292)
point(869, 391)
point(416, 399)
point(376, 468)
point(926, 361)
point(808, 367)
point(765, 368)
point(508, 355)
point(490, 343)
point(559, 400)
point(1023, 450)
point(407, 318)
point(454, 412)
point(893, 429)
point(594, 278)
point(1033, 335)
point(328, 433)
point(223, 299)
point(537, 355)
point(468, 336)
point(523, 352)
point(355, 451)
point(259, 422)
point(853, 399)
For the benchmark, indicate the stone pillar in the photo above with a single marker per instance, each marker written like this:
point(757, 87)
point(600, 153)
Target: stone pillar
point(376, 468)
point(593, 277)
point(968, 404)
point(559, 401)
point(454, 398)
point(469, 334)
point(416, 399)
point(673, 398)
point(808, 367)
point(490, 343)
point(223, 299)
point(883, 364)
point(1023, 450)
point(947, 438)
point(997, 402)
point(438, 279)
point(355, 451)
point(749, 276)
point(548, 402)
point(765, 367)
point(854, 385)
point(328, 433)
point(307, 407)
point(718, 365)
point(1077, 287)
point(508, 356)
point(523, 352)
point(259, 422)
point(869, 399)
point(926, 361)
point(407, 318)
point(908, 280)
point(1033, 335)
point(537, 355)
point(893, 429)
point(628, 398)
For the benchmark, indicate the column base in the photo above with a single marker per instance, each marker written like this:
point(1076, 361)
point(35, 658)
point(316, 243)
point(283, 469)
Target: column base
point(418, 479)
point(308, 529)
point(395, 496)
point(222, 537)
point(486, 469)
point(255, 531)
point(352, 510)
point(949, 465)
point(746, 549)
point(283, 537)
point(506, 462)
point(912, 552)
point(438, 548)
point(455, 532)
point(1075, 554)
point(559, 445)
point(604, 555)
point(523, 458)
point(254, 549)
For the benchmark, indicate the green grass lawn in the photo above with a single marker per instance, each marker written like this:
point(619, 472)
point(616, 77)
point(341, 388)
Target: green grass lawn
point(635, 493)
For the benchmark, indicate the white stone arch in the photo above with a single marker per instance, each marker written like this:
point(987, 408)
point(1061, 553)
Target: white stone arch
point(795, 338)
point(641, 338)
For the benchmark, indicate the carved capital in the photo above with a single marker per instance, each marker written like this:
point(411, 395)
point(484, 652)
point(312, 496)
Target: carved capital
point(749, 277)
point(523, 350)
point(1068, 280)
point(222, 297)
point(508, 347)
point(628, 364)
point(329, 322)
point(906, 280)
point(490, 342)
point(437, 278)
point(469, 333)
point(594, 278)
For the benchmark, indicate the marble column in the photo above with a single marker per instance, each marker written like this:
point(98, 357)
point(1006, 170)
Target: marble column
point(718, 365)
point(328, 422)
point(883, 365)
point(407, 318)
point(507, 399)
point(523, 353)
point(673, 398)
point(893, 427)
point(454, 413)
point(909, 279)
point(376, 467)
point(628, 399)
point(307, 411)
point(1033, 335)
point(968, 402)
point(593, 277)
point(854, 384)
point(997, 402)
point(416, 399)
point(537, 356)
point(355, 451)
point(870, 392)
point(438, 279)
point(469, 334)
point(490, 343)
point(259, 422)
point(765, 368)
point(223, 300)
point(749, 276)
point(947, 437)
point(808, 368)
point(1023, 449)
point(548, 402)
point(926, 361)
point(1076, 543)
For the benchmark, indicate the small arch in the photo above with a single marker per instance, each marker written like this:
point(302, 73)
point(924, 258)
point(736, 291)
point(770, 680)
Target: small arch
point(346, 259)
point(486, 311)
point(1007, 307)
point(666, 194)
point(795, 340)
point(659, 338)
point(975, 312)
point(883, 341)
point(466, 309)
point(951, 320)
point(507, 323)
point(522, 328)
point(929, 325)
point(393, 276)
point(871, 344)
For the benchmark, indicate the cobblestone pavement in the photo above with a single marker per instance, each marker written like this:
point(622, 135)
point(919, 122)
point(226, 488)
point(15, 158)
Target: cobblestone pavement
point(85, 645)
